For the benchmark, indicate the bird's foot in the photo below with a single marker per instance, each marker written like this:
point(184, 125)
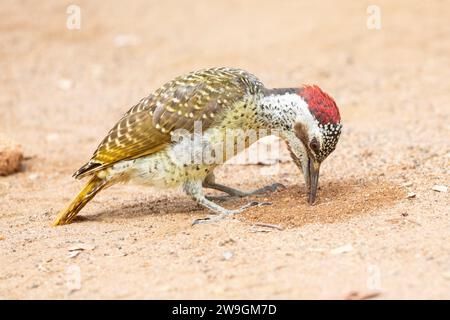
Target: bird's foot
point(225, 213)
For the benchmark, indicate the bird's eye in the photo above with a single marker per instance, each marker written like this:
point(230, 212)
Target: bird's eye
point(314, 145)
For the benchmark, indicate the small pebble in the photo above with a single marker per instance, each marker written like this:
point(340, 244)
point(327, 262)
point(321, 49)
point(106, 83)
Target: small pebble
point(410, 195)
point(440, 188)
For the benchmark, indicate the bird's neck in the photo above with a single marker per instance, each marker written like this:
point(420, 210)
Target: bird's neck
point(279, 109)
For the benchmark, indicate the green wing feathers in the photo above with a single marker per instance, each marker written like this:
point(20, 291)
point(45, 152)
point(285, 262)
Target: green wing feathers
point(146, 127)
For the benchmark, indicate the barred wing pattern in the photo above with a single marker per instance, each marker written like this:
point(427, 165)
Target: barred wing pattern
point(146, 128)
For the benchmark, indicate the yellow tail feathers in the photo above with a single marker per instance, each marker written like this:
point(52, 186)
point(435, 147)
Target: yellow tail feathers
point(94, 185)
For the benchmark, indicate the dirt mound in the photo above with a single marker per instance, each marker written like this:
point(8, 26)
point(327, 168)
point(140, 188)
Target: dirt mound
point(11, 156)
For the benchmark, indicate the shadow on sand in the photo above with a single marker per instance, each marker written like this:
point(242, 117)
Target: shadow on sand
point(337, 201)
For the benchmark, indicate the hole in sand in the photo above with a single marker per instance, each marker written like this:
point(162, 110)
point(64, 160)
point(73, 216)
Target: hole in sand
point(336, 201)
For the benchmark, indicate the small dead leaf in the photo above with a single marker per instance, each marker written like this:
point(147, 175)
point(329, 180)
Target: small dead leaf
point(2, 237)
point(355, 295)
point(410, 195)
point(82, 247)
point(343, 249)
point(407, 184)
point(440, 188)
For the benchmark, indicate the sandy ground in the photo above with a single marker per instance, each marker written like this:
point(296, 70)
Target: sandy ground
point(61, 90)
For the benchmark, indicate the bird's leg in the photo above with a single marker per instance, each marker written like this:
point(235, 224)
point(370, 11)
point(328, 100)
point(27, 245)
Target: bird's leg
point(195, 191)
point(210, 183)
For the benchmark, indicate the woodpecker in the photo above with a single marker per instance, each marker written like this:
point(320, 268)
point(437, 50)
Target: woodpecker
point(142, 147)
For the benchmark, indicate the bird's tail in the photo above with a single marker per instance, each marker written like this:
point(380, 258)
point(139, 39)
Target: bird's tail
point(94, 185)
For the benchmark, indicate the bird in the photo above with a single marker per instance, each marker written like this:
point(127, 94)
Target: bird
point(160, 141)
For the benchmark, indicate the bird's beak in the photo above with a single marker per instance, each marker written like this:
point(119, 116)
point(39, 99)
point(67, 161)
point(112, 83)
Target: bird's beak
point(312, 179)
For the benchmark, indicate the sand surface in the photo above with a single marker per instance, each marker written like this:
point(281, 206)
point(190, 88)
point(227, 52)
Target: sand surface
point(61, 90)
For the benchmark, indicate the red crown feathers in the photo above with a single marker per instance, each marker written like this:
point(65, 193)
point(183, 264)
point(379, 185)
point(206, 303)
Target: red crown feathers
point(321, 105)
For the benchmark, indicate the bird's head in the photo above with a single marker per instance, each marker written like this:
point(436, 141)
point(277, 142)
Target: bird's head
point(314, 134)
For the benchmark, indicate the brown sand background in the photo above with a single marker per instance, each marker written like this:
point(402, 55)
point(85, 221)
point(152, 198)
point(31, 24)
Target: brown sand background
point(61, 90)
